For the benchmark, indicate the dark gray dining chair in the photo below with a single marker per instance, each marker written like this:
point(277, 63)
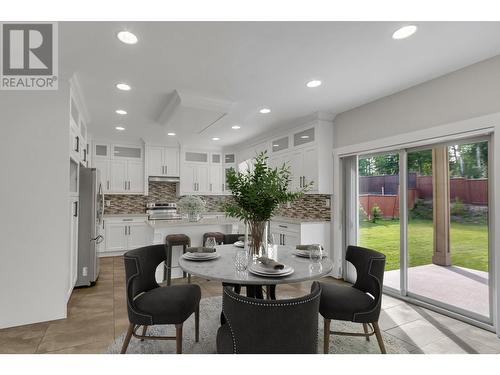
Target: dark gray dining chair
point(150, 304)
point(256, 326)
point(359, 303)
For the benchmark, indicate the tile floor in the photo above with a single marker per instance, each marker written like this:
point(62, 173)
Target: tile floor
point(97, 315)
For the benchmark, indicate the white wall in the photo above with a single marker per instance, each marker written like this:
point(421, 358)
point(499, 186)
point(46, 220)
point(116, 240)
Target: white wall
point(470, 92)
point(34, 220)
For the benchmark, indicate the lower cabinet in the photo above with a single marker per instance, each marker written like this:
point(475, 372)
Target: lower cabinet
point(121, 235)
point(291, 235)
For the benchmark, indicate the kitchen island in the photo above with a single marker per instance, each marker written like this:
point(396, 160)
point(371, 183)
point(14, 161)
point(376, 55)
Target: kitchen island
point(193, 229)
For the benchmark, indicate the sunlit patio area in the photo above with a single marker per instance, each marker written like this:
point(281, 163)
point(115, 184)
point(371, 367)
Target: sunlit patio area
point(464, 288)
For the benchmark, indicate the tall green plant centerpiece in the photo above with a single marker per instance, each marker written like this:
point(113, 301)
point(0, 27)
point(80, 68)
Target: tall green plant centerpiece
point(257, 193)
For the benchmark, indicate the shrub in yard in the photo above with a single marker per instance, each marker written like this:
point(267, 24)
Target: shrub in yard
point(458, 208)
point(421, 210)
point(363, 216)
point(376, 213)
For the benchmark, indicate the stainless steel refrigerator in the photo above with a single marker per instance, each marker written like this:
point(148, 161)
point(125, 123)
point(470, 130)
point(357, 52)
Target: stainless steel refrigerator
point(91, 204)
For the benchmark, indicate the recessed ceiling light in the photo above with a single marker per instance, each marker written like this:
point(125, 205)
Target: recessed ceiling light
point(123, 86)
point(235, 127)
point(120, 128)
point(171, 134)
point(215, 139)
point(127, 37)
point(304, 136)
point(121, 111)
point(314, 83)
point(265, 111)
point(404, 32)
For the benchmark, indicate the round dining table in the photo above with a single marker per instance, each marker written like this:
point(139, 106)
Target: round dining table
point(223, 268)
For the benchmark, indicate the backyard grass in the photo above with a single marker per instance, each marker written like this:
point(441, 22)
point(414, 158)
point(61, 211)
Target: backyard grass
point(469, 243)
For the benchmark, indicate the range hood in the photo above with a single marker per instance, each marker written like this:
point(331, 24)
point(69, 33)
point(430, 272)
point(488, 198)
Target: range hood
point(163, 179)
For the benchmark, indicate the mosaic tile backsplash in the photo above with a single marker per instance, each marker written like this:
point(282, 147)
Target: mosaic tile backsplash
point(309, 207)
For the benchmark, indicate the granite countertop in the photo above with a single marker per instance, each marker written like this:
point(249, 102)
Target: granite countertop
point(211, 219)
point(118, 216)
point(293, 220)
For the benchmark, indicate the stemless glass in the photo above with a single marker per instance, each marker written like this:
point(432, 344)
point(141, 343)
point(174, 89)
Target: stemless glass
point(210, 242)
point(316, 253)
point(241, 260)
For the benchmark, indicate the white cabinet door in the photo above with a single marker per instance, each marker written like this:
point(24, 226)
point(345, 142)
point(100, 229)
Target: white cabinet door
point(138, 235)
point(171, 161)
point(295, 162)
point(135, 177)
point(103, 166)
point(310, 167)
point(203, 172)
point(188, 179)
point(116, 237)
point(118, 176)
point(156, 166)
point(215, 185)
point(291, 239)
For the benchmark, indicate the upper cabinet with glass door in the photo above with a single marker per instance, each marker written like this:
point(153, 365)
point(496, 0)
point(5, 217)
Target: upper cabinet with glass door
point(304, 137)
point(127, 152)
point(280, 144)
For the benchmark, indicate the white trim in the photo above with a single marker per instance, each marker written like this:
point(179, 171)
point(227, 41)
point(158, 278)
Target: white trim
point(488, 124)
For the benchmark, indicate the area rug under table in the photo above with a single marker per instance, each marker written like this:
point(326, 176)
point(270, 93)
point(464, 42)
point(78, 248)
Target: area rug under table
point(210, 309)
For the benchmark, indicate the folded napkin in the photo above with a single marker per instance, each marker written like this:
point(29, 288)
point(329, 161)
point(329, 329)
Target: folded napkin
point(200, 249)
point(271, 263)
point(308, 247)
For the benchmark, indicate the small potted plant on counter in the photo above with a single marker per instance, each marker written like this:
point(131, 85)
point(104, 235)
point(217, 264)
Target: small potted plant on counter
point(257, 193)
point(193, 206)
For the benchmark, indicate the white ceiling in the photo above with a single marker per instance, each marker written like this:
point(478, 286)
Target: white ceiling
point(256, 64)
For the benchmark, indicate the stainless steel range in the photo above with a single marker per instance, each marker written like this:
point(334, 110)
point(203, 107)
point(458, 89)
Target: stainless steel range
point(162, 211)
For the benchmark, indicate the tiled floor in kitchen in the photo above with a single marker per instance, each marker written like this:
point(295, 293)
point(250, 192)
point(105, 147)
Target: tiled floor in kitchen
point(97, 315)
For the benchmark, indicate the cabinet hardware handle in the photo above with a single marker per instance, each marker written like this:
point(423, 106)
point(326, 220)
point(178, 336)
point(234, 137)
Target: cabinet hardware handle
point(129, 185)
point(75, 211)
point(124, 185)
point(125, 229)
point(166, 169)
point(162, 168)
point(210, 187)
point(77, 148)
point(84, 155)
point(127, 219)
point(222, 187)
point(107, 184)
point(283, 226)
point(284, 240)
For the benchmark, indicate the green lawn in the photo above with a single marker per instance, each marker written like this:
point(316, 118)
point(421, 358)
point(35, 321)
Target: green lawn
point(469, 243)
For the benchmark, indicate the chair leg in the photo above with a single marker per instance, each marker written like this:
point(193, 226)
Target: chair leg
point(326, 336)
point(197, 324)
point(178, 337)
point(144, 329)
point(379, 337)
point(127, 338)
point(365, 328)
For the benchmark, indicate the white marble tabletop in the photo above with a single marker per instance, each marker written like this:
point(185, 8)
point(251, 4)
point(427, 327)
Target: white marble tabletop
point(223, 268)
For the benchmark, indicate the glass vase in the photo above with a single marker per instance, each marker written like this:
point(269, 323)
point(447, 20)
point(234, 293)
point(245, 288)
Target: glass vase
point(256, 238)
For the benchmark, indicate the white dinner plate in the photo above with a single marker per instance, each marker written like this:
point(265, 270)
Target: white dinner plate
point(304, 253)
point(270, 273)
point(190, 256)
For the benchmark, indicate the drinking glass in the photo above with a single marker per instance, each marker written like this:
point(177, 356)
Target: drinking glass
point(210, 242)
point(316, 253)
point(241, 260)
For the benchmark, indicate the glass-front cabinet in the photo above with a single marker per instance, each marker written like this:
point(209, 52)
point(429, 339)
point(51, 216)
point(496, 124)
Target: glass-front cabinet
point(303, 137)
point(280, 144)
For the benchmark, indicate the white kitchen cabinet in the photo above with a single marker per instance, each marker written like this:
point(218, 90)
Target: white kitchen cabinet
point(293, 234)
point(162, 161)
point(195, 179)
point(115, 237)
point(123, 234)
point(310, 167)
point(216, 179)
point(118, 175)
point(135, 177)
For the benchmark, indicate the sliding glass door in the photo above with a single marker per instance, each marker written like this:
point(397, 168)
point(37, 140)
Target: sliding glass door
point(427, 210)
